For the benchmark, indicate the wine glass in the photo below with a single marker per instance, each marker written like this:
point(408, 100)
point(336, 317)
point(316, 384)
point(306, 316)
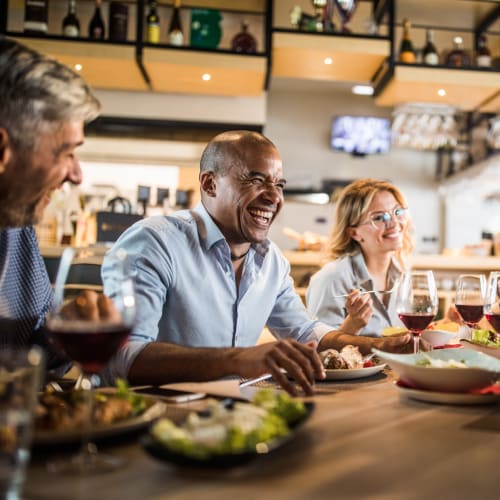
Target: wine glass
point(89, 328)
point(416, 302)
point(346, 9)
point(469, 298)
point(492, 302)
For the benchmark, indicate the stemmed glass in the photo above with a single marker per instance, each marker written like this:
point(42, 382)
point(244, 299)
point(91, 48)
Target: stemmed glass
point(346, 9)
point(469, 298)
point(89, 328)
point(492, 302)
point(416, 302)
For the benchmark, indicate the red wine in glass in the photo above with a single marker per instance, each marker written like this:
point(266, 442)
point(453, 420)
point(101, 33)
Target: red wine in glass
point(90, 345)
point(416, 322)
point(416, 302)
point(471, 314)
point(494, 320)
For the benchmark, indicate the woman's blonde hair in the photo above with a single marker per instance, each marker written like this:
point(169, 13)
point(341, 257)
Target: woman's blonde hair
point(352, 207)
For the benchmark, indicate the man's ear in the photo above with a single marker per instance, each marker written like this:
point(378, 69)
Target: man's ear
point(208, 184)
point(5, 150)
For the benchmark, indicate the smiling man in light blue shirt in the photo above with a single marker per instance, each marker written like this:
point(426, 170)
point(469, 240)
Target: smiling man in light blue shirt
point(208, 281)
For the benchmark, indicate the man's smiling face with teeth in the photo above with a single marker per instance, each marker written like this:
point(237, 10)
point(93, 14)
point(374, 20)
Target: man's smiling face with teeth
point(249, 196)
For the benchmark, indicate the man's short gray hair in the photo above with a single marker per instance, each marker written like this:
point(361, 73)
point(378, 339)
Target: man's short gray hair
point(38, 94)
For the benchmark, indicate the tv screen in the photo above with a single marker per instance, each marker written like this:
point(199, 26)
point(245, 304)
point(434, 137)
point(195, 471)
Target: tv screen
point(361, 135)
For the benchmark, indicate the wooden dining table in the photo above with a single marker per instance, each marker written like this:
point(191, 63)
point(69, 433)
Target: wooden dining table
point(364, 439)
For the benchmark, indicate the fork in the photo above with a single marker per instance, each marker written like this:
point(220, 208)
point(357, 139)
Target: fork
point(364, 292)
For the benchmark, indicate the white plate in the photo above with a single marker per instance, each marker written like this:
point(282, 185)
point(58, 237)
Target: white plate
point(155, 410)
point(449, 398)
point(482, 370)
point(490, 350)
point(348, 374)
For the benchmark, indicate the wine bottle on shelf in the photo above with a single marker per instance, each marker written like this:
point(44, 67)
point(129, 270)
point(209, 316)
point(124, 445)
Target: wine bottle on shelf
point(407, 53)
point(243, 41)
point(71, 24)
point(153, 24)
point(483, 54)
point(430, 54)
point(457, 57)
point(175, 34)
point(96, 24)
point(35, 16)
point(118, 21)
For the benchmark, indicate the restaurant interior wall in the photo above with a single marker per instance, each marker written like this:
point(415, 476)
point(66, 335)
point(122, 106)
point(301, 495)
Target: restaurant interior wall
point(299, 119)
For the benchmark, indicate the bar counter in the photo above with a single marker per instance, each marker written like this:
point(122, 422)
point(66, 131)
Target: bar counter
point(363, 440)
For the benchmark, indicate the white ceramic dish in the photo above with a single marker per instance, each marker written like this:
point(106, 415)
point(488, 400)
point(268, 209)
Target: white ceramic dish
point(489, 350)
point(448, 398)
point(155, 410)
point(482, 370)
point(349, 374)
point(439, 338)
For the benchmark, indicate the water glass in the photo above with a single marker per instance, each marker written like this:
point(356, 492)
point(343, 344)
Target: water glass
point(20, 376)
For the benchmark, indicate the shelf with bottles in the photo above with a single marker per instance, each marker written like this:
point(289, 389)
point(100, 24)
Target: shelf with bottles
point(74, 20)
point(197, 47)
point(219, 26)
point(425, 58)
point(329, 40)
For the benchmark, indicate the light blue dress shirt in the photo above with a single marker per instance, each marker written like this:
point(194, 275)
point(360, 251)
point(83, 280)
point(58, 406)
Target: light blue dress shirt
point(187, 292)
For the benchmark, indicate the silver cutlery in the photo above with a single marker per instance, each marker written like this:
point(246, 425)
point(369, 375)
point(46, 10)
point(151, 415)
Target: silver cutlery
point(364, 292)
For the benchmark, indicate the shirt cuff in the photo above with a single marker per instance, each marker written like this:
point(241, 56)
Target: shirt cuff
point(121, 362)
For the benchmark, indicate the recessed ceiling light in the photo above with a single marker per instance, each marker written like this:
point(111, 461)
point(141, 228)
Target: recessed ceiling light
point(206, 77)
point(362, 90)
point(328, 60)
point(78, 67)
point(441, 92)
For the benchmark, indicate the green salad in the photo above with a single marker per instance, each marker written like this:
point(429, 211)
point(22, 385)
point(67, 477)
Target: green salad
point(236, 428)
point(486, 337)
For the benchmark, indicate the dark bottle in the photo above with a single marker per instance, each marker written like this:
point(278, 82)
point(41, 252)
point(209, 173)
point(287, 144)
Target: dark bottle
point(153, 24)
point(407, 53)
point(430, 54)
point(175, 34)
point(457, 57)
point(244, 41)
point(118, 21)
point(96, 24)
point(483, 54)
point(35, 16)
point(71, 24)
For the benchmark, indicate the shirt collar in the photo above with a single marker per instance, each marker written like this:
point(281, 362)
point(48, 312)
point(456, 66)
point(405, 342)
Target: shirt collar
point(361, 271)
point(210, 234)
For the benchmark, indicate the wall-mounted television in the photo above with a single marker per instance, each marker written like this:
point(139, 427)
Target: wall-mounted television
point(361, 135)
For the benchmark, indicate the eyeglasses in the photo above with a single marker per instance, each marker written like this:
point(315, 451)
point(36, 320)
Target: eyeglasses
point(381, 220)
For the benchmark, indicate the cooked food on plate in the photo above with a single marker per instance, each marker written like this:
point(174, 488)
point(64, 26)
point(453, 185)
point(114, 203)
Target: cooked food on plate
point(62, 411)
point(237, 427)
point(393, 330)
point(486, 337)
point(348, 358)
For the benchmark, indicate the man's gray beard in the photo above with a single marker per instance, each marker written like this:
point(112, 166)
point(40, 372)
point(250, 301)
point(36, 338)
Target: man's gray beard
point(17, 217)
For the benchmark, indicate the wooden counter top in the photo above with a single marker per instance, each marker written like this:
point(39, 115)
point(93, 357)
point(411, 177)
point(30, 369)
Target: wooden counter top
point(435, 262)
point(364, 440)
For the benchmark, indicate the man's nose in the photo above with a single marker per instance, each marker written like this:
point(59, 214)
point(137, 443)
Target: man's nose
point(74, 172)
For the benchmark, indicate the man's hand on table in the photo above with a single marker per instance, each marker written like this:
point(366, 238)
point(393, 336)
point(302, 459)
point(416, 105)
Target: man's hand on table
point(300, 361)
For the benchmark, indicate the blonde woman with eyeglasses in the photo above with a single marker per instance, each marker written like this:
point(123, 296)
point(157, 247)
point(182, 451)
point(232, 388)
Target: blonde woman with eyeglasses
point(367, 249)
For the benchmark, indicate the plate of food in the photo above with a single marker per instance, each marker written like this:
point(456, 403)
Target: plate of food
point(444, 370)
point(449, 398)
point(484, 341)
point(228, 432)
point(349, 364)
point(60, 416)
